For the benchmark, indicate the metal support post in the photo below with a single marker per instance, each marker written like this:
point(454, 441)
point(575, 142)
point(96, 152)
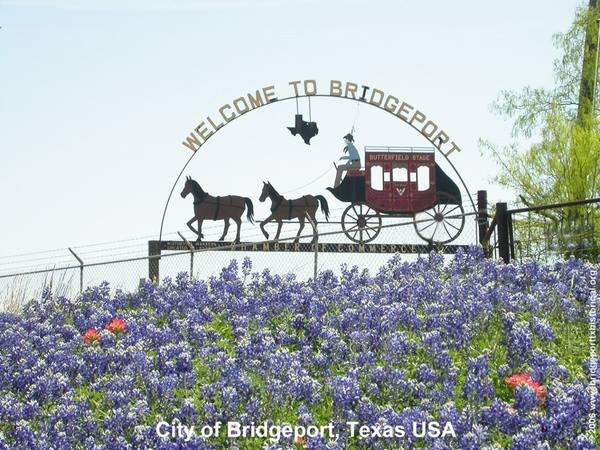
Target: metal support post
point(80, 269)
point(482, 220)
point(316, 245)
point(191, 247)
point(154, 261)
point(511, 237)
point(503, 232)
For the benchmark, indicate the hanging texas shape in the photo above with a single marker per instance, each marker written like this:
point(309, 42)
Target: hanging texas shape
point(306, 130)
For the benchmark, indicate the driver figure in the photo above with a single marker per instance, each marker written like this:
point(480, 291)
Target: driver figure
point(353, 159)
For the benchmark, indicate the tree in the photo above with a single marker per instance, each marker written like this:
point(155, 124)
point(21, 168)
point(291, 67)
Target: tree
point(574, 74)
point(562, 162)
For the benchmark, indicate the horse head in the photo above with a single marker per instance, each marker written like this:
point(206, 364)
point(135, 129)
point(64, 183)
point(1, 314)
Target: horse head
point(187, 188)
point(265, 191)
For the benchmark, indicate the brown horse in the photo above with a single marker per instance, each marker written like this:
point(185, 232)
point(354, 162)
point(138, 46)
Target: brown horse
point(289, 209)
point(216, 208)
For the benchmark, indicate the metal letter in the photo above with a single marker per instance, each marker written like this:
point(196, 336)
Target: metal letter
point(335, 88)
point(310, 87)
point(222, 112)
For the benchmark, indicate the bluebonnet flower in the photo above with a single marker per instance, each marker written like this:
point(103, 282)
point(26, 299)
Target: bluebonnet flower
point(469, 441)
point(345, 392)
point(503, 371)
point(582, 442)
point(426, 375)
point(25, 437)
point(433, 341)
point(525, 399)
point(387, 348)
point(397, 346)
point(542, 329)
point(478, 387)
point(502, 416)
point(544, 367)
point(520, 344)
point(508, 321)
point(528, 438)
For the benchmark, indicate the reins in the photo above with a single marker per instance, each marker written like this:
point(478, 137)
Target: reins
point(279, 200)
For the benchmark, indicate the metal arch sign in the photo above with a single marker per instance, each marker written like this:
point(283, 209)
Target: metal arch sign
point(267, 95)
point(406, 112)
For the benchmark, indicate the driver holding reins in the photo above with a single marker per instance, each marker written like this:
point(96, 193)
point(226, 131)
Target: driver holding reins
point(353, 159)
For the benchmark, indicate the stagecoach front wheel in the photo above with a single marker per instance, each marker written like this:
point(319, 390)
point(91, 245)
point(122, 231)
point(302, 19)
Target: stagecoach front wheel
point(443, 222)
point(361, 223)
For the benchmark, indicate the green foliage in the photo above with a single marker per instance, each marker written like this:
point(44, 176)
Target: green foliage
point(561, 164)
point(223, 328)
point(530, 107)
point(95, 400)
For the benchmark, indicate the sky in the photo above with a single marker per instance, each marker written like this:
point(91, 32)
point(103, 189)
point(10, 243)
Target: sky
point(97, 97)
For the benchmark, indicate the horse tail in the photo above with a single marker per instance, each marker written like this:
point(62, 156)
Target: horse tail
point(324, 206)
point(250, 208)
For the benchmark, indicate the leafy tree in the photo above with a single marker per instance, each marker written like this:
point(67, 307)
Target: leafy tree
point(562, 163)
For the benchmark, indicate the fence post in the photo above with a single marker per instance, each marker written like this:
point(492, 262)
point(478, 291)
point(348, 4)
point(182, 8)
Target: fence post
point(191, 247)
point(316, 255)
point(154, 263)
point(503, 239)
point(80, 269)
point(316, 244)
point(482, 220)
point(511, 237)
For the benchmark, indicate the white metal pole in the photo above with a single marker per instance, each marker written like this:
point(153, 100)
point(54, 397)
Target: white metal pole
point(316, 244)
point(191, 247)
point(80, 269)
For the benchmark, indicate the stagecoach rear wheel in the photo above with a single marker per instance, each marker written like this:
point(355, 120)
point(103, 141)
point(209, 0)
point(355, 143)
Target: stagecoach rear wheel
point(443, 222)
point(361, 223)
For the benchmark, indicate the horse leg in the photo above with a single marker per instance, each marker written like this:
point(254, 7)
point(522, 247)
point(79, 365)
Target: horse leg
point(238, 222)
point(200, 235)
point(263, 223)
point(279, 223)
point(301, 220)
point(189, 224)
point(226, 220)
point(314, 221)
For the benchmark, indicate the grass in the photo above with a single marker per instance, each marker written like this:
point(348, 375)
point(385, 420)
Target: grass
point(19, 290)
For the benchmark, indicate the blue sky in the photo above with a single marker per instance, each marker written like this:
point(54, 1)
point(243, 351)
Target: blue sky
point(96, 98)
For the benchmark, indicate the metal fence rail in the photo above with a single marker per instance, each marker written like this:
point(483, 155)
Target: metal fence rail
point(202, 260)
point(539, 241)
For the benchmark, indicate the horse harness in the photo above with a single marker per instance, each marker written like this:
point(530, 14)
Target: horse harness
point(217, 202)
point(217, 208)
point(289, 202)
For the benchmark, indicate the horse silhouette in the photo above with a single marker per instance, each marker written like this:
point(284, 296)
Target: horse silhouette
point(207, 207)
point(281, 209)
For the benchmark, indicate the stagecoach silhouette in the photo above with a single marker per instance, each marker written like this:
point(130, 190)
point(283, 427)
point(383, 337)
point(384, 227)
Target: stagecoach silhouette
point(400, 182)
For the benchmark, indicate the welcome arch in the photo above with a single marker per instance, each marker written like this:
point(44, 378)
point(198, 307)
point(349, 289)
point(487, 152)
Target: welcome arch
point(361, 93)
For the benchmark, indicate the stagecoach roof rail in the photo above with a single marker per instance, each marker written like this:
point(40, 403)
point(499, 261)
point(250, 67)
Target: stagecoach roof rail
point(378, 148)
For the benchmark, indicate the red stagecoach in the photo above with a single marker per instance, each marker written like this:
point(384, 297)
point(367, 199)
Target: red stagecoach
point(400, 182)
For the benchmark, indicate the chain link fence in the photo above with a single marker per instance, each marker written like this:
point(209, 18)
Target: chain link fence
point(552, 236)
point(123, 264)
point(544, 233)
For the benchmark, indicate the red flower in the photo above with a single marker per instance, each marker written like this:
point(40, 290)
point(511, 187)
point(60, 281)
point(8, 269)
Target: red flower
point(117, 326)
point(520, 378)
point(514, 380)
point(91, 336)
point(300, 442)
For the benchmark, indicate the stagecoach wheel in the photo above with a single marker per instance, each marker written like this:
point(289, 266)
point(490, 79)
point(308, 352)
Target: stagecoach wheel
point(443, 222)
point(361, 223)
